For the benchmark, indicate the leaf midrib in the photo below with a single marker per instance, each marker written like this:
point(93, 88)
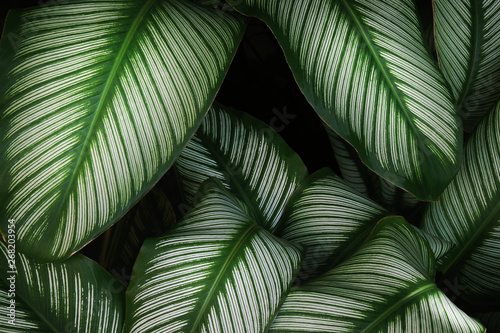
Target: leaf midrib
point(381, 65)
point(420, 290)
point(465, 249)
point(208, 299)
point(214, 151)
point(98, 113)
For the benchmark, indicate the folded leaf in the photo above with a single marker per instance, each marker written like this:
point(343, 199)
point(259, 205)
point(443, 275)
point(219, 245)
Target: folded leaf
point(438, 246)
point(216, 271)
point(386, 286)
point(248, 157)
point(96, 101)
point(468, 44)
point(468, 215)
point(74, 296)
point(364, 68)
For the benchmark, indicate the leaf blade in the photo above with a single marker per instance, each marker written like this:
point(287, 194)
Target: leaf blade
point(468, 52)
point(76, 295)
point(250, 159)
point(97, 103)
point(385, 286)
point(468, 215)
point(369, 77)
point(217, 271)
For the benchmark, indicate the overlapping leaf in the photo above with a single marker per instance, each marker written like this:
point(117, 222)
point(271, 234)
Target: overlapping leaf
point(386, 286)
point(468, 46)
point(364, 68)
point(74, 296)
point(216, 271)
point(468, 215)
point(329, 219)
point(96, 101)
point(250, 159)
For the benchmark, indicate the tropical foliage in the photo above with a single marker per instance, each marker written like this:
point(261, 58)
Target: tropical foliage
point(132, 201)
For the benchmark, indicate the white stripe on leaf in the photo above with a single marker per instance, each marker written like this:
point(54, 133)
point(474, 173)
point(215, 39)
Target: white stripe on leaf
point(364, 68)
point(98, 101)
point(468, 214)
point(217, 270)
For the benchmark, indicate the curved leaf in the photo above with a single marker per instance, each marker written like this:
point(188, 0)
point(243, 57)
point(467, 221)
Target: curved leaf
point(95, 105)
point(74, 296)
point(438, 246)
point(216, 271)
point(468, 45)
point(248, 157)
point(329, 219)
point(386, 286)
point(468, 215)
point(364, 68)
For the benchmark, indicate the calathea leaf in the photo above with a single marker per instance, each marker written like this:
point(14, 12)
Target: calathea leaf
point(385, 286)
point(364, 68)
point(96, 102)
point(217, 270)
point(468, 215)
point(438, 246)
point(248, 157)
point(329, 219)
point(76, 295)
point(468, 48)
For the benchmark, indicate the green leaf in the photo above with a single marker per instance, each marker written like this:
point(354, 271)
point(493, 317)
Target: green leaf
point(364, 68)
point(438, 246)
point(468, 215)
point(329, 219)
point(216, 271)
point(469, 54)
point(95, 104)
point(248, 157)
point(386, 286)
point(74, 296)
